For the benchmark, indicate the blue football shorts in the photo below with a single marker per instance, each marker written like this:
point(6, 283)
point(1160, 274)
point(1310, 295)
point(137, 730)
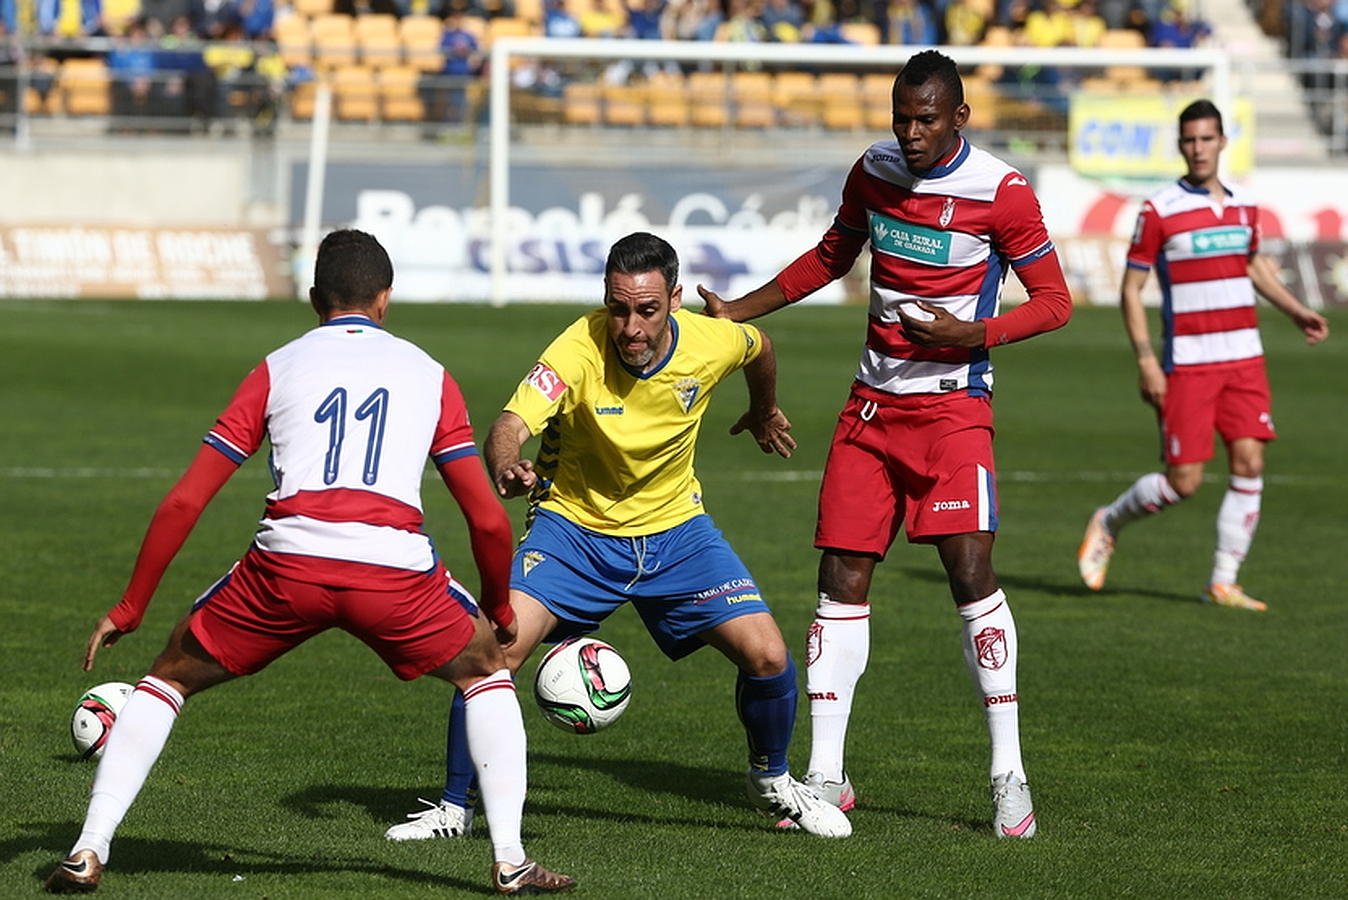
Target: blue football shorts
point(682, 581)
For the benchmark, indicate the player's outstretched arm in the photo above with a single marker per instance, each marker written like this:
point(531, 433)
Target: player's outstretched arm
point(1264, 275)
point(758, 302)
point(764, 420)
point(172, 522)
point(511, 475)
point(1151, 380)
point(489, 535)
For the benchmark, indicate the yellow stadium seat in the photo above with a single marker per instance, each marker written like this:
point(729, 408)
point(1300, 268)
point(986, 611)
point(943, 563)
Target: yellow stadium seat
point(421, 42)
point(667, 100)
point(580, 103)
point(355, 93)
point(84, 86)
point(312, 7)
point(377, 37)
point(293, 41)
point(865, 33)
point(752, 96)
point(794, 95)
point(399, 100)
point(624, 104)
point(506, 26)
point(334, 40)
point(1123, 39)
point(708, 96)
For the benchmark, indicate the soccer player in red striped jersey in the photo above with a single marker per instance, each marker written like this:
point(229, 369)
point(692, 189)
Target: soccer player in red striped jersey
point(945, 221)
point(1202, 237)
point(351, 413)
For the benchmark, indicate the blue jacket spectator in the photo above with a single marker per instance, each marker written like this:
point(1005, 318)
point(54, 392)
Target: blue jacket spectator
point(559, 23)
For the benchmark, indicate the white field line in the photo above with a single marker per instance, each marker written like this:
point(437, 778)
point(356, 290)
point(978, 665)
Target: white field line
point(36, 473)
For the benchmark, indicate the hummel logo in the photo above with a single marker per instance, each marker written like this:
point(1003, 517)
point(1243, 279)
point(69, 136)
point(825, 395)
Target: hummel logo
point(509, 881)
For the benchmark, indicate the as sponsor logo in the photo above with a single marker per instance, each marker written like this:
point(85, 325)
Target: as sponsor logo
point(946, 505)
point(546, 381)
point(1215, 241)
point(990, 646)
point(908, 241)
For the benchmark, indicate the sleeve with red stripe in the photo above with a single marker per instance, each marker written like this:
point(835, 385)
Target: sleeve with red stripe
point(488, 531)
point(1049, 306)
point(172, 523)
point(1147, 238)
point(454, 433)
point(837, 250)
point(239, 431)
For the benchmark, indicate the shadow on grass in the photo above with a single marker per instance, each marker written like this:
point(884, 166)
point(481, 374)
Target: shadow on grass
point(1068, 588)
point(143, 856)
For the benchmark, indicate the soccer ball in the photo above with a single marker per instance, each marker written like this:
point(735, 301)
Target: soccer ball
point(94, 715)
point(582, 685)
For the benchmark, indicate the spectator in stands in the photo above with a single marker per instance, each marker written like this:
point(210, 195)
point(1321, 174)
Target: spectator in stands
point(258, 18)
point(907, 22)
point(827, 32)
point(1049, 25)
point(697, 20)
point(1174, 28)
point(599, 21)
point(164, 11)
point(187, 86)
point(9, 59)
point(783, 20)
point(1088, 26)
point(212, 18)
point(131, 65)
point(445, 94)
point(743, 25)
point(558, 21)
point(965, 22)
point(644, 18)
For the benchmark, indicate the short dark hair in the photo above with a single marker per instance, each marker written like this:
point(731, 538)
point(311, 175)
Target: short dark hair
point(929, 64)
point(1201, 109)
point(352, 268)
point(640, 252)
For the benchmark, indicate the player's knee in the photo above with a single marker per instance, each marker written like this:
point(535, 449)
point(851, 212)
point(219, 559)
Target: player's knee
point(1185, 484)
point(766, 660)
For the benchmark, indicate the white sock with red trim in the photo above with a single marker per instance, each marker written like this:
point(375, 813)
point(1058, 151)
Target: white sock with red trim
point(1237, 520)
point(990, 650)
point(1149, 495)
point(135, 742)
point(836, 650)
point(496, 741)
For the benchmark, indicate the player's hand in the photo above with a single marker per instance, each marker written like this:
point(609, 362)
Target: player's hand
point(772, 430)
point(938, 328)
point(516, 479)
point(1314, 326)
point(713, 305)
point(1151, 382)
point(105, 635)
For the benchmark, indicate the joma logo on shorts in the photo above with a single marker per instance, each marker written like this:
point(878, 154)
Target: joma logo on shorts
point(943, 505)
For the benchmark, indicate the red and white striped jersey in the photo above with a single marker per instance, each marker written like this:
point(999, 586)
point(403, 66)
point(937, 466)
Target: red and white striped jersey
point(1201, 249)
point(946, 237)
point(351, 412)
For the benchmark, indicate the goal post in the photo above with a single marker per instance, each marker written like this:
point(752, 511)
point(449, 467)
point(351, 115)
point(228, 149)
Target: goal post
point(505, 50)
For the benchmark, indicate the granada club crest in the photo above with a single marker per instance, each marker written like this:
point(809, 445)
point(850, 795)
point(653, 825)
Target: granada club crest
point(990, 645)
point(814, 643)
point(947, 212)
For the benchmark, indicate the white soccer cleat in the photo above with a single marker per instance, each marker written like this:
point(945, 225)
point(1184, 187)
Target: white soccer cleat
point(438, 820)
point(839, 793)
point(1096, 549)
point(784, 796)
point(1012, 808)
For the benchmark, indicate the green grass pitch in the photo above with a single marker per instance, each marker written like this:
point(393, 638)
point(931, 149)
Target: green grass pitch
point(1175, 749)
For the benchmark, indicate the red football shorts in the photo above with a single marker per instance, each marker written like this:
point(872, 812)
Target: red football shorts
point(1232, 400)
point(252, 616)
point(922, 461)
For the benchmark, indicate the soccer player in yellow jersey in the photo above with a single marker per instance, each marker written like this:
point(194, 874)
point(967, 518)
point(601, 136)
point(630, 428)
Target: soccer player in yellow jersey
point(616, 511)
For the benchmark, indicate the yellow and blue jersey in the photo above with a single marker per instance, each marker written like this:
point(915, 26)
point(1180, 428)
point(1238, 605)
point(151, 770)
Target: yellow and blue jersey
point(617, 446)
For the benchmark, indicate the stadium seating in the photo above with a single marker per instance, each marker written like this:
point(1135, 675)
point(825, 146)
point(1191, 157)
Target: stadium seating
point(293, 41)
point(84, 87)
point(580, 103)
point(421, 42)
point(398, 97)
point(708, 93)
point(624, 104)
point(667, 100)
point(751, 93)
point(355, 93)
point(840, 101)
point(794, 96)
point(334, 39)
point(311, 8)
point(377, 37)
